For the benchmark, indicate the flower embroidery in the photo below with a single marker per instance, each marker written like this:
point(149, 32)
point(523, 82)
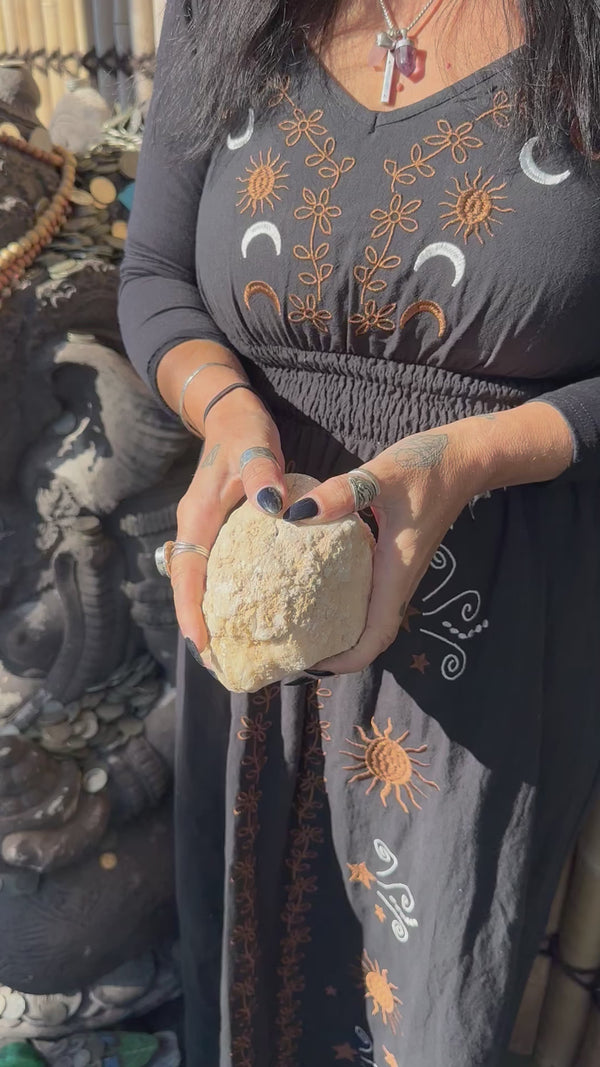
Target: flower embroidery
point(319, 209)
point(373, 318)
point(302, 124)
point(398, 214)
point(458, 141)
point(307, 311)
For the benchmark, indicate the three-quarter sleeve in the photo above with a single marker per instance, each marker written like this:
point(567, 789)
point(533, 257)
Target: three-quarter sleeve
point(160, 305)
point(579, 404)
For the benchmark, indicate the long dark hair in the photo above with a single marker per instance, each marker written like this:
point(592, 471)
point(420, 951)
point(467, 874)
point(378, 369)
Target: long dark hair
point(224, 56)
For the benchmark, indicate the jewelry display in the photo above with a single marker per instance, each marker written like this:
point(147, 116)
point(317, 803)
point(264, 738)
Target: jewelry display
point(17, 256)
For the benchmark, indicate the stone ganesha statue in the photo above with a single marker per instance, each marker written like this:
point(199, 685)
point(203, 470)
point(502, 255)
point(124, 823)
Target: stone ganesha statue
point(91, 469)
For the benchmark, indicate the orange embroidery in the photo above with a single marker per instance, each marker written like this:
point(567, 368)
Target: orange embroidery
point(379, 913)
point(390, 1059)
point(418, 308)
point(383, 759)
point(264, 181)
point(254, 729)
point(305, 836)
point(398, 216)
point(265, 289)
point(359, 873)
point(420, 663)
point(458, 141)
point(381, 991)
point(316, 206)
point(473, 207)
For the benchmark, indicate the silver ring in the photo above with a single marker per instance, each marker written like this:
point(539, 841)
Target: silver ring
point(365, 488)
point(165, 554)
point(255, 453)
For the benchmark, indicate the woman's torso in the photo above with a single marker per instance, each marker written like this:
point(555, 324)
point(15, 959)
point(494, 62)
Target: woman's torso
point(401, 248)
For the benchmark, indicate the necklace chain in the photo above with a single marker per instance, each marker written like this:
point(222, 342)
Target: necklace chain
point(396, 31)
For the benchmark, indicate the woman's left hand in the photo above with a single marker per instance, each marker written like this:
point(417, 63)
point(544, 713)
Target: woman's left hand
point(426, 480)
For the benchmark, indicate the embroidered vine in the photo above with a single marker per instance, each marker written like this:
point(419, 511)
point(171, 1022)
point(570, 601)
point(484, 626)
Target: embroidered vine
point(316, 208)
point(399, 215)
point(305, 837)
point(459, 141)
point(254, 729)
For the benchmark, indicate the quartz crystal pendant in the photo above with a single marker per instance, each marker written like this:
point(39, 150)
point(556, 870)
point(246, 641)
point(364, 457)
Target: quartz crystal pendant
point(406, 56)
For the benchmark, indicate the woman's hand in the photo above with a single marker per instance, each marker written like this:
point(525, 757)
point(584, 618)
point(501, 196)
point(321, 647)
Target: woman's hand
point(239, 423)
point(426, 480)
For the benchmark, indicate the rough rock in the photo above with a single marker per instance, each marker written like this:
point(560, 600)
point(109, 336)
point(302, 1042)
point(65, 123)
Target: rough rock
point(280, 597)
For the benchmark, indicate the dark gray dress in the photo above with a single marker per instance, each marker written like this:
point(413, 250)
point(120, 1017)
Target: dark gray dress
point(365, 864)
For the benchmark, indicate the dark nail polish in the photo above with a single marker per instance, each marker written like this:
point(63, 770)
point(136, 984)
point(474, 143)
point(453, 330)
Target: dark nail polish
point(269, 500)
point(193, 651)
point(302, 509)
point(321, 674)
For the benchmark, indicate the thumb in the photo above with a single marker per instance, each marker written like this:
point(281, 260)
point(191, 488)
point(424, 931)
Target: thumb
point(337, 497)
point(261, 471)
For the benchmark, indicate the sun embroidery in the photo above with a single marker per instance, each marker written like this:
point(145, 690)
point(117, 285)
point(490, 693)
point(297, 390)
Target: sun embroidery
point(473, 207)
point(263, 184)
point(383, 759)
point(381, 991)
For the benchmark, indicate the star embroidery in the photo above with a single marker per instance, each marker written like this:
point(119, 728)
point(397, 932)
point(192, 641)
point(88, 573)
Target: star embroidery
point(405, 624)
point(420, 663)
point(330, 991)
point(390, 1059)
point(380, 913)
point(344, 1052)
point(359, 873)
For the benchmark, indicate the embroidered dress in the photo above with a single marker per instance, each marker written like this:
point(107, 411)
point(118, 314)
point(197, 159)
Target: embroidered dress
point(365, 864)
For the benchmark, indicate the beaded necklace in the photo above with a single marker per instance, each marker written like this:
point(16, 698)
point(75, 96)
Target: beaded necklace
point(17, 256)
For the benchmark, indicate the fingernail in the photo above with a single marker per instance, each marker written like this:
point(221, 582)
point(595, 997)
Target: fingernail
point(269, 500)
point(302, 509)
point(193, 651)
point(321, 674)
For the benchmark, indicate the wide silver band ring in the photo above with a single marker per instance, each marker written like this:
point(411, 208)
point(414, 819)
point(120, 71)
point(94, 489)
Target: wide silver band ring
point(165, 554)
point(258, 452)
point(365, 488)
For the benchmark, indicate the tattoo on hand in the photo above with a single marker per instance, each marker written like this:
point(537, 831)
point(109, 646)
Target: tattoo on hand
point(423, 452)
point(209, 459)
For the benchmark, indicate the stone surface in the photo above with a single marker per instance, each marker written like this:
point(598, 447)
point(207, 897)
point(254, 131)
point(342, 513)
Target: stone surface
point(280, 596)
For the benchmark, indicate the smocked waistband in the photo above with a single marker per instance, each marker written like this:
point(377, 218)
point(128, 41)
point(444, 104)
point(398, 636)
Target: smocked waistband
point(367, 403)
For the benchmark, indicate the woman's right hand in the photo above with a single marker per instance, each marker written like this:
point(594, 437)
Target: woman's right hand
point(240, 422)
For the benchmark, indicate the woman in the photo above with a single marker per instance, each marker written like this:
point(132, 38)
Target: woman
point(399, 248)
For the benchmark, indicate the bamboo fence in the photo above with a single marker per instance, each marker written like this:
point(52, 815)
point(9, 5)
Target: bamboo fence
point(110, 44)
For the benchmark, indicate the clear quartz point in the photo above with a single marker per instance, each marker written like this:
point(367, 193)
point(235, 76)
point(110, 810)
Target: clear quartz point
point(406, 56)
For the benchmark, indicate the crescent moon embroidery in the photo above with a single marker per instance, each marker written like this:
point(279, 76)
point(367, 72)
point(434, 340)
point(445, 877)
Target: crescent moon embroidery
point(253, 288)
point(451, 252)
point(533, 172)
point(258, 229)
point(233, 143)
point(425, 305)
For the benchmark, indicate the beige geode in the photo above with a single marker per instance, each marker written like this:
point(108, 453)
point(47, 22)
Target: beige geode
point(280, 597)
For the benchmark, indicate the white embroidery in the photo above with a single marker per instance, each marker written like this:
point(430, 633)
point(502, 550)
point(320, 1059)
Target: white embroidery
point(450, 251)
point(258, 229)
point(535, 173)
point(402, 909)
point(454, 663)
point(233, 143)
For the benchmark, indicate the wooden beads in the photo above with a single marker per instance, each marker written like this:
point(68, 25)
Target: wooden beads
point(17, 256)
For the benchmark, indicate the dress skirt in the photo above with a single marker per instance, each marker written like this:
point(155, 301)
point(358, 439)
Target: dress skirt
point(365, 863)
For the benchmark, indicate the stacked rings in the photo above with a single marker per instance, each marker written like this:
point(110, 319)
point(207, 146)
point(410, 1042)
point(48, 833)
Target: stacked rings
point(165, 554)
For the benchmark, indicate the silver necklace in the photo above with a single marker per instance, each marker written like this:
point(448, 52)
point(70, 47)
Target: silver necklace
point(400, 48)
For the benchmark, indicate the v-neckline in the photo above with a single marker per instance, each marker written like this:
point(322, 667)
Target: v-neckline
point(373, 119)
